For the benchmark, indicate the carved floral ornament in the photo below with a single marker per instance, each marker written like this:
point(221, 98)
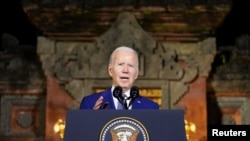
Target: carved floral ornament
point(78, 64)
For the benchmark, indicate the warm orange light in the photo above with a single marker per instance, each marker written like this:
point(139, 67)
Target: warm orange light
point(190, 128)
point(59, 127)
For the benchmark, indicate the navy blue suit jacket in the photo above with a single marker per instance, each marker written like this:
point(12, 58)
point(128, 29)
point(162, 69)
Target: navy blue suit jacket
point(140, 102)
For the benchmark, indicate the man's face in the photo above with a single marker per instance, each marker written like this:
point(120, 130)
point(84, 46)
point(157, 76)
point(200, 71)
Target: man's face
point(124, 69)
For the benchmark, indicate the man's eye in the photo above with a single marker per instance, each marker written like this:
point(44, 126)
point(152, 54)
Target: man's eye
point(131, 65)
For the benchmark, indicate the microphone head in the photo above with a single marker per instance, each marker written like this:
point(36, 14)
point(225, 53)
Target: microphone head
point(117, 92)
point(134, 92)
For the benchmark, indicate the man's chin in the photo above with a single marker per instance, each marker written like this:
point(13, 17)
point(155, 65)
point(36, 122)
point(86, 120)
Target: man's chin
point(125, 87)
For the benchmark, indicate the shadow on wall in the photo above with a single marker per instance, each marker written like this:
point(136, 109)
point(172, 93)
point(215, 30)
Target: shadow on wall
point(15, 22)
point(235, 24)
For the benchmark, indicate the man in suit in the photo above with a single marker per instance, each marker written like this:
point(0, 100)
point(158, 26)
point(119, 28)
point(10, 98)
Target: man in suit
point(124, 69)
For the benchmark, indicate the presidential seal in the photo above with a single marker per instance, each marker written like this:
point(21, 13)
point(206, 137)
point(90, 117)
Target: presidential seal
point(124, 129)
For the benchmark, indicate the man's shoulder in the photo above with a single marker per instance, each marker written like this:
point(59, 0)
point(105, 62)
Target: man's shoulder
point(98, 94)
point(148, 103)
point(145, 99)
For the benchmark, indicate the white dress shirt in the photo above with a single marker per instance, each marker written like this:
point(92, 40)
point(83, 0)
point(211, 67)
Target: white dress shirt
point(116, 100)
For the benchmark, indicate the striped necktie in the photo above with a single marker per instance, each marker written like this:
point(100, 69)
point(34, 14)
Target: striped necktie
point(120, 106)
point(125, 101)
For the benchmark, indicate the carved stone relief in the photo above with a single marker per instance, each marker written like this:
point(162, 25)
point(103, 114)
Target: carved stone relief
point(230, 75)
point(198, 58)
point(23, 113)
point(22, 85)
point(241, 103)
point(80, 67)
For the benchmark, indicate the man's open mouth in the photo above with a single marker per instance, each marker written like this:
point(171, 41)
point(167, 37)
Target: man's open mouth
point(124, 77)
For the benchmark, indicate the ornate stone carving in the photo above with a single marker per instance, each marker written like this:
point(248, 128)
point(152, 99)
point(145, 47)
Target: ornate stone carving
point(25, 119)
point(22, 84)
point(80, 65)
point(230, 77)
point(241, 103)
point(21, 114)
point(19, 67)
point(232, 74)
point(74, 60)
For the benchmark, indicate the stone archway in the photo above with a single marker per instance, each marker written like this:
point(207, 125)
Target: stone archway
point(81, 67)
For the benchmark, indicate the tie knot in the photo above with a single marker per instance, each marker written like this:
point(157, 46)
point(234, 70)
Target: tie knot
point(124, 96)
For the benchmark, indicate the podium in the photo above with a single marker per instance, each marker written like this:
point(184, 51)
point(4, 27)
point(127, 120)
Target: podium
point(125, 125)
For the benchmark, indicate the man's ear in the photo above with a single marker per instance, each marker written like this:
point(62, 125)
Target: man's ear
point(110, 70)
point(137, 75)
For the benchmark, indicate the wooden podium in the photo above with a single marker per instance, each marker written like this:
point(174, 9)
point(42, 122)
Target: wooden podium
point(125, 125)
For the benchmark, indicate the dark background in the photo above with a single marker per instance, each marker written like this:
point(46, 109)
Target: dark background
point(15, 22)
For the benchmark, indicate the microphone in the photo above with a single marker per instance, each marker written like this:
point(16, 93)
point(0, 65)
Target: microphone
point(117, 93)
point(134, 93)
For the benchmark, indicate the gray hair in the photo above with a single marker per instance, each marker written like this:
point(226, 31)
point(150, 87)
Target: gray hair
point(123, 48)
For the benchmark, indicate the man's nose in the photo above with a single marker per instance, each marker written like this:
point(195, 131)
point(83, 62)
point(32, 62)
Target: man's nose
point(125, 68)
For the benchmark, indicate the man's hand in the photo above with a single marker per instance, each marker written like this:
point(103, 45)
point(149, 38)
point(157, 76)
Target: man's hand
point(98, 103)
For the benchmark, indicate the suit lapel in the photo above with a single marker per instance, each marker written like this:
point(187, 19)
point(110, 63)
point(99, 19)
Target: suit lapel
point(107, 95)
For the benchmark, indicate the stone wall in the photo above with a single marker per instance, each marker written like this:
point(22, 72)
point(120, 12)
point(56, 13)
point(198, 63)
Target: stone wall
point(80, 67)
